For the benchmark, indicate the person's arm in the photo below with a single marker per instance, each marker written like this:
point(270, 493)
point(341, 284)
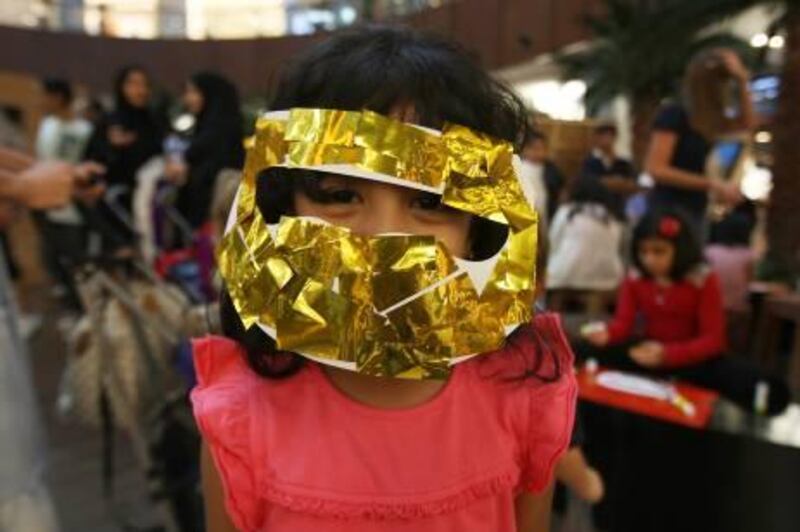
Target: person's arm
point(533, 510)
point(617, 183)
point(13, 161)
point(658, 164)
point(46, 185)
point(42, 186)
point(620, 185)
point(557, 228)
point(9, 185)
point(217, 519)
point(710, 339)
point(747, 119)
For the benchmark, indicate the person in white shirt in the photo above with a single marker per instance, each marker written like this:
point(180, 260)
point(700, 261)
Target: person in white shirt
point(535, 156)
point(585, 244)
point(533, 186)
point(62, 136)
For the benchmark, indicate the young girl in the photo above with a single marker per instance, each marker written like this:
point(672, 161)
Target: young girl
point(669, 318)
point(585, 243)
point(329, 441)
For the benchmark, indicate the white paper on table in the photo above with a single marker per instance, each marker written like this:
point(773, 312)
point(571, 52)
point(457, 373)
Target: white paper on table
point(634, 384)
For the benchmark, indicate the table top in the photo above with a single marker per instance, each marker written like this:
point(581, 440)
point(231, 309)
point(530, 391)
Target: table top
point(785, 306)
point(702, 400)
point(713, 413)
point(767, 288)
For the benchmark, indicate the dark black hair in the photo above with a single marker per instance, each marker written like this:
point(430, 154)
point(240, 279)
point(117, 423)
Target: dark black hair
point(221, 103)
point(735, 228)
point(672, 225)
point(58, 87)
point(605, 129)
point(379, 68)
point(587, 191)
point(121, 103)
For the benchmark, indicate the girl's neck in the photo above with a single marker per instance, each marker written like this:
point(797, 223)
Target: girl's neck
point(383, 392)
point(662, 281)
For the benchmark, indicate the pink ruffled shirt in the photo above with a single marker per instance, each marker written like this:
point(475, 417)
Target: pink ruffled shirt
point(298, 455)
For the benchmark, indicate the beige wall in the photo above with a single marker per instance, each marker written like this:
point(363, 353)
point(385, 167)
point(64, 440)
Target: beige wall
point(23, 92)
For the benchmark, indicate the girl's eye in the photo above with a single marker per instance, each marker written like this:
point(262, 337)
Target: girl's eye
point(429, 202)
point(338, 196)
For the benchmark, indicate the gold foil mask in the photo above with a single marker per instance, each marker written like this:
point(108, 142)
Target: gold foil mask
point(399, 306)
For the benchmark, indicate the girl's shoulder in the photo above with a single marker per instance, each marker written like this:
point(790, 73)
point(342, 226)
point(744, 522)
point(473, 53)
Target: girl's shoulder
point(531, 380)
point(697, 277)
point(226, 380)
point(635, 275)
point(672, 117)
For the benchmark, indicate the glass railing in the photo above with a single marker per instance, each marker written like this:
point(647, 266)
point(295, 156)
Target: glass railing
point(202, 19)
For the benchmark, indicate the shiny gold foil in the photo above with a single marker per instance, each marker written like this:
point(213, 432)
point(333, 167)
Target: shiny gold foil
point(392, 305)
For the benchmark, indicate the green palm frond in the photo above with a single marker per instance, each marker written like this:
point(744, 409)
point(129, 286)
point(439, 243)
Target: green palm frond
point(642, 51)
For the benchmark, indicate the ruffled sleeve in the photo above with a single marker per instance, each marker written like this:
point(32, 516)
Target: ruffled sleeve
point(551, 408)
point(221, 403)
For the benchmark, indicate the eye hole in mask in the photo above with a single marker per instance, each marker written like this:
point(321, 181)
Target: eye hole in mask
point(276, 186)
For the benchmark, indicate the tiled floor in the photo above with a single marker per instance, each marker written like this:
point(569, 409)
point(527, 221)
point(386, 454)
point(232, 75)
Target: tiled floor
point(75, 452)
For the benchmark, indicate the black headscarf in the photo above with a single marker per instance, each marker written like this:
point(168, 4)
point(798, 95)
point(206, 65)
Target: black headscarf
point(215, 144)
point(123, 162)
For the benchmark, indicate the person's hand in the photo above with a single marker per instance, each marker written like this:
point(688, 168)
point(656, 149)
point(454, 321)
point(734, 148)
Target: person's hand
point(89, 188)
point(648, 354)
point(726, 192)
point(176, 172)
point(90, 194)
point(596, 334)
point(120, 137)
point(88, 173)
point(733, 64)
point(45, 185)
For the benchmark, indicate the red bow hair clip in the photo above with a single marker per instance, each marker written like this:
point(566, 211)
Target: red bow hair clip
point(669, 227)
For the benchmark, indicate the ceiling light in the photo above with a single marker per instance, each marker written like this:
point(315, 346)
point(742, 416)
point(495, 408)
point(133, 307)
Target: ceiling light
point(759, 40)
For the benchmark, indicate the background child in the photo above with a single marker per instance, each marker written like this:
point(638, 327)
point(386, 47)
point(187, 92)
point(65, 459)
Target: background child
point(615, 174)
point(669, 317)
point(585, 246)
point(294, 445)
point(730, 256)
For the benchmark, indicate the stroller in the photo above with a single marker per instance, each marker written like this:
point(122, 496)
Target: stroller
point(124, 372)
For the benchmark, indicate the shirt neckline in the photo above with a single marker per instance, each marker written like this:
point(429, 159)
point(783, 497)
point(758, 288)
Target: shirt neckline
point(434, 403)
